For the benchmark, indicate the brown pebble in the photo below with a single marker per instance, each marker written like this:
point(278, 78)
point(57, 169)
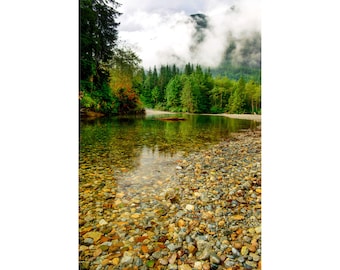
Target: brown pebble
point(106, 262)
point(206, 266)
point(252, 248)
point(181, 223)
point(237, 245)
point(115, 261)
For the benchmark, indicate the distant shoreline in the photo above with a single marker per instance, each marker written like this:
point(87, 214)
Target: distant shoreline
point(255, 117)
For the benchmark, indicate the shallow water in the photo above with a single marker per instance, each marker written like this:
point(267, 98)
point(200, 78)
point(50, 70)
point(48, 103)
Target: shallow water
point(140, 154)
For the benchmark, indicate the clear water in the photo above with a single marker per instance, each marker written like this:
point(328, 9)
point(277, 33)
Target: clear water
point(141, 152)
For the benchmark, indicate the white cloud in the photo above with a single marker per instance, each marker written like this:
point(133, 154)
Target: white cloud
point(161, 35)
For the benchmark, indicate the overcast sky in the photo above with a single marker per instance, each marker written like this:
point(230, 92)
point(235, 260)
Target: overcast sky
point(161, 33)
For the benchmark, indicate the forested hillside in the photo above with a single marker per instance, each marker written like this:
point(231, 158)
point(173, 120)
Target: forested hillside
point(112, 80)
point(195, 90)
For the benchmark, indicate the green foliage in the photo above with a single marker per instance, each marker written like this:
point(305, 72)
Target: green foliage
point(188, 95)
point(216, 109)
point(196, 91)
point(173, 94)
point(98, 31)
point(125, 79)
point(87, 101)
point(236, 100)
point(98, 37)
point(98, 99)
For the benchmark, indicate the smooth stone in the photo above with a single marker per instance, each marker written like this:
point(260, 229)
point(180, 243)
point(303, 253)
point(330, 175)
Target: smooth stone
point(127, 258)
point(172, 267)
point(206, 266)
point(188, 239)
point(229, 263)
point(214, 258)
point(88, 241)
point(163, 261)
point(192, 249)
point(184, 267)
point(251, 231)
point(255, 257)
point(235, 252)
point(237, 245)
point(198, 265)
point(205, 254)
point(202, 245)
point(251, 264)
point(115, 261)
point(136, 216)
point(247, 239)
point(105, 262)
point(244, 251)
point(241, 259)
point(172, 247)
point(157, 254)
point(94, 235)
point(190, 207)
point(180, 214)
point(173, 258)
point(103, 222)
point(138, 261)
point(181, 223)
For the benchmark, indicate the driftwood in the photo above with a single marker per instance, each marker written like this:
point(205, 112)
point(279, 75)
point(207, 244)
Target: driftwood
point(172, 119)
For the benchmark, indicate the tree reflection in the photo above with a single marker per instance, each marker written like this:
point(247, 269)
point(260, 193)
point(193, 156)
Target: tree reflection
point(118, 142)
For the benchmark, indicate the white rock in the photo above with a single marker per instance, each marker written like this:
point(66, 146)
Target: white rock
point(190, 207)
point(102, 222)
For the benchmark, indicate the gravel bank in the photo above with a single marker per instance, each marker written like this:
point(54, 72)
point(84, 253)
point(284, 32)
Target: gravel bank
point(207, 217)
point(254, 117)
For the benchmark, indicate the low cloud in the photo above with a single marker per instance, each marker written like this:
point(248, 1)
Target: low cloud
point(162, 37)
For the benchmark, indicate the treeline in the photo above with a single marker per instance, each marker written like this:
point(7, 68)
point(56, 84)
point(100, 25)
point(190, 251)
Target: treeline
point(195, 90)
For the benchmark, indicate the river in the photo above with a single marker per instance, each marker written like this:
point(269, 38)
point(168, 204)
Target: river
point(140, 152)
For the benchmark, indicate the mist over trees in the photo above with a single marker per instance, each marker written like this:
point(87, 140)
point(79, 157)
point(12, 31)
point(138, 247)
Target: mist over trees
point(113, 81)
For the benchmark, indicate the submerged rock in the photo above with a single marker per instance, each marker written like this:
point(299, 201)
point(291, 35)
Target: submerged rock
point(207, 216)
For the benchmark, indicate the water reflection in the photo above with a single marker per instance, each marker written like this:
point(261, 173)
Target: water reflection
point(139, 151)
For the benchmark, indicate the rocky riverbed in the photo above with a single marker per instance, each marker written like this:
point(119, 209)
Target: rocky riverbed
point(206, 214)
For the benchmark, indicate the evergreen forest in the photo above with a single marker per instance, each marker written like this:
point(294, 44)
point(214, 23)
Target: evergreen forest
point(113, 81)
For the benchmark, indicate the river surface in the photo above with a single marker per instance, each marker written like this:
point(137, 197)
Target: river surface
point(140, 153)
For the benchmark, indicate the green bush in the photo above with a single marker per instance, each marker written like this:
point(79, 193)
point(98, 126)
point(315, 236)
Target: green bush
point(87, 101)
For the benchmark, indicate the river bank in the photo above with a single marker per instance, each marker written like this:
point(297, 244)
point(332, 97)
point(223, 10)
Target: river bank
point(254, 117)
point(208, 215)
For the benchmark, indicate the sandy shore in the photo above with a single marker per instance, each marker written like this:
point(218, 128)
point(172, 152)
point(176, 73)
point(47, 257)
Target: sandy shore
point(254, 117)
point(155, 112)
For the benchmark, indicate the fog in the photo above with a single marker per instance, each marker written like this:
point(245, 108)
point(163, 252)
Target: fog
point(169, 35)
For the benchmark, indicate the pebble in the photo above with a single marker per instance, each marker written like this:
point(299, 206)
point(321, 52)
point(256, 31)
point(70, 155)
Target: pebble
point(157, 254)
point(184, 267)
point(235, 252)
point(205, 215)
point(255, 257)
point(214, 258)
point(251, 264)
point(190, 207)
point(204, 255)
point(127, 258)
point(198, 265)
point(244, 251)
